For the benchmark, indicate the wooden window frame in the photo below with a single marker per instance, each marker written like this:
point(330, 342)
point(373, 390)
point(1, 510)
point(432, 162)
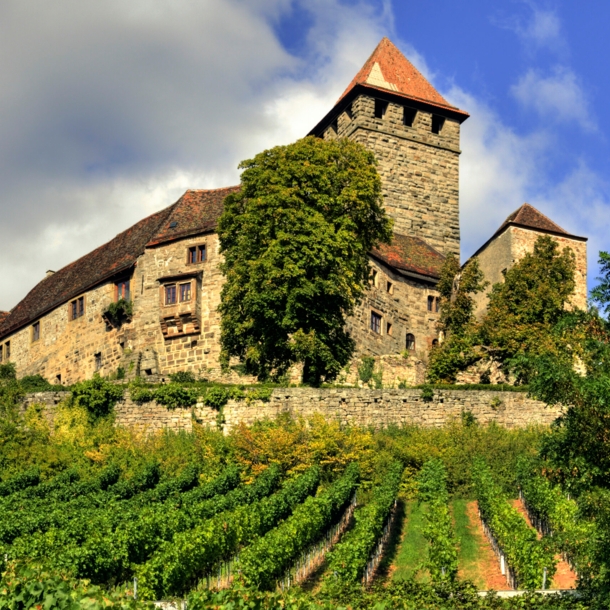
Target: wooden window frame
point(166, 287)
point(73, 306)
point(35, 337)
point(180, 285)
point(376, 323)
point(201, 254)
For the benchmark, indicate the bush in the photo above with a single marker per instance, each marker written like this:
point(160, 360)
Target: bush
point(183, 377)
point(427, 393)
point(96, 395)
point(35, 383)
point(365, 370)
point(7, 371)
point(173, 396)
point(119, 312)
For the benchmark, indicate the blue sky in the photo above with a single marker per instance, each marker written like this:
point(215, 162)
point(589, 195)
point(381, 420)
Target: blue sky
point(109, 111)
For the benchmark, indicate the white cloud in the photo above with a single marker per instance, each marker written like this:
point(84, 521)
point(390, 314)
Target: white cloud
point(111, 110)
point(556, 97)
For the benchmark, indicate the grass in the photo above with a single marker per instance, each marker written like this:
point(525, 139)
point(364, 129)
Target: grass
point(413, 550)
point(469, 551)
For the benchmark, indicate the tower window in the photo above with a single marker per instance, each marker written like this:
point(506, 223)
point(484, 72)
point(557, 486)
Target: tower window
point(375, 322)
point(335, 126)
point(98, 361)
point(430, 303)
point(380, 109)
point(410, 342)
point(36, 331)
point(433, 304)
point(437, 123)
point(408, 116)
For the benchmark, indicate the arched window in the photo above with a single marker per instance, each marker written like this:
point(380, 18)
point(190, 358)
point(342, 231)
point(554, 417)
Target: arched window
point(410, 344)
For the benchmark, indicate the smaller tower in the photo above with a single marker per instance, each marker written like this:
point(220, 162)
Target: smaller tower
point(392, 110)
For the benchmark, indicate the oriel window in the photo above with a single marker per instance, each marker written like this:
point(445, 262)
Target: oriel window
point(170, 294)
point(185, 292)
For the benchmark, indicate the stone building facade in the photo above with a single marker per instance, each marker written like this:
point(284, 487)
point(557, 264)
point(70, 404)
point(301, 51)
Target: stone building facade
point(516, 237)
point(167, 266)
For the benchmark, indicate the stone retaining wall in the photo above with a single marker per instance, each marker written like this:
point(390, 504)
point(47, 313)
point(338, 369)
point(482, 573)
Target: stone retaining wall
point(356, 406)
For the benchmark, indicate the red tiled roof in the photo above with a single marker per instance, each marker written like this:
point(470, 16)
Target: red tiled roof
point(528, 216)
point(3, 315)
point(195, 212)
point(388, 69)
point(408, 253)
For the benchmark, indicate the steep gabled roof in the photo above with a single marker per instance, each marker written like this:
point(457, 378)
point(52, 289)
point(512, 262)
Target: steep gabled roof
point(388, 69)
point(411, 254)
point(3, 315)
point(195, 212)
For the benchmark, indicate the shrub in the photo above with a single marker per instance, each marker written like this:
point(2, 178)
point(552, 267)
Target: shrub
point(35, 383)
point(427, 393)
point(183, 377)
point(173, 396)
point(7, 371)
point(96, 395)
point(119, 312)
point(365, 370)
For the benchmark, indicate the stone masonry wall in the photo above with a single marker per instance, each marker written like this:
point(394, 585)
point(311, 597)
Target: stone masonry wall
point(419, 169)
point(404, 306)
point(362, 407)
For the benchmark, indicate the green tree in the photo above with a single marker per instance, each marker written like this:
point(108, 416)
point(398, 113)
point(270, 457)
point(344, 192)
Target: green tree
point(295, 240)
point(524, 309)
point(457, 325)
point(601, 293)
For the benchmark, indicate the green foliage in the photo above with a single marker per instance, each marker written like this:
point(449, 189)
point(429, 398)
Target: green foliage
point(427, 393)
point(183, 377)
point(525, 554)
point(267, 558)
point(456, 287)
point(174, 396)
point(35, 383)
point(96, 395)
point(455, 354)
point(8, 371)
point(601, 293)
point(348, 560)
point(295, 241)
point(438, 526)
point(119, 312)
point(366, 368)
point(22, 480)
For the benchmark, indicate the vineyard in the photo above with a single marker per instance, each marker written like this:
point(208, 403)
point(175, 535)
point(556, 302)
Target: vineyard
point(289, 514)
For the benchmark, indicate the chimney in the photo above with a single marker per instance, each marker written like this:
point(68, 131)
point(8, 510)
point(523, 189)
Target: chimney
point(49, 273)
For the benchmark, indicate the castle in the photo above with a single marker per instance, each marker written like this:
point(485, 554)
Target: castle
point(167, 265)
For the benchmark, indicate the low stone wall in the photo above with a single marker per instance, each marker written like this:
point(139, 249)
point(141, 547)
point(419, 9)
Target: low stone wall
point(355, 406)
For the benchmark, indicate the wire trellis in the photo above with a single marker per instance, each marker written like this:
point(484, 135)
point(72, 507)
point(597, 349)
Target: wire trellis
point(311, 559)
point(511, 577)
point(377, 555)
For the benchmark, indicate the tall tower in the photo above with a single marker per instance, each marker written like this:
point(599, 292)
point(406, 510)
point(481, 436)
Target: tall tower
point(392, 110)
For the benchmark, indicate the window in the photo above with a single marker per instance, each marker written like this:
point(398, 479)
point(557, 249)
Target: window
point(58, 379)
point(185, 292)
point(430, 303)
point(98, 361)
point(410, 343)
point(77, 308)
point(388, 329)
point(170, 294)
point(122, 290)
point(389, 287)
point(375, 322)
point(408, 116)
point(380, 109)
point(1, 352)
point(437, 304)
point(433, 304)
point(374, 277)
point(434, 342)
point(437, 123)
point(196, 254)
point(36, 331)
point(7, 350)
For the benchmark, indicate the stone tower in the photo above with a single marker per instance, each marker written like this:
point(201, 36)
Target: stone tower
point(392, 110)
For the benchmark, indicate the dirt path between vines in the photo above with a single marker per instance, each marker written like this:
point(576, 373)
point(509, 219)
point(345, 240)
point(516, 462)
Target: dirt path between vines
point(489, 566)
point(564, 578)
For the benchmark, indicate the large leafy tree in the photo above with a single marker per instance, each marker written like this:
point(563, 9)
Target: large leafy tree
point(601, 293)
point(295, 240)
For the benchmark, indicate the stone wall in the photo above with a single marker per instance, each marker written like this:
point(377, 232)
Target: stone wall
point(419, 169)
point(362, 407)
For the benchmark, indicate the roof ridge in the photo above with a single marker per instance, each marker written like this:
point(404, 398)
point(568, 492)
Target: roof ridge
point(537, 211)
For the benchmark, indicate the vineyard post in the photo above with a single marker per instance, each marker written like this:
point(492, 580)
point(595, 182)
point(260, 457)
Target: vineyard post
point(135, 588)
point(502, 565)
point(544, 579)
